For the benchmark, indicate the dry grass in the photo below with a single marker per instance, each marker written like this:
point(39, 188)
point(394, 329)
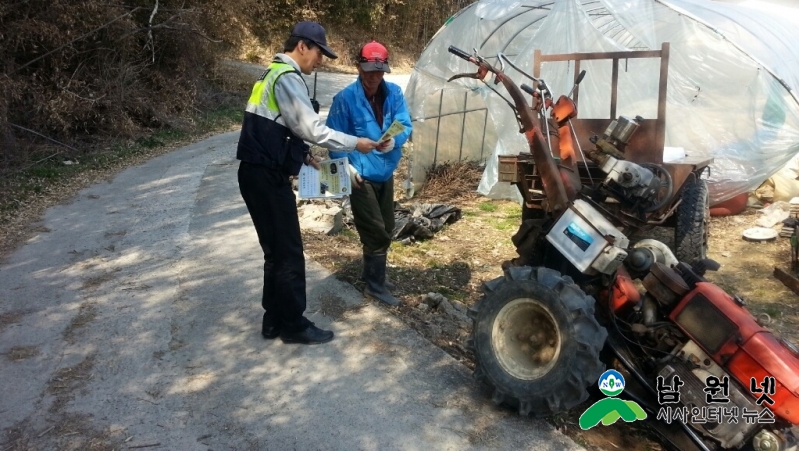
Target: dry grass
point(10, 318)
point(18, 353)
point(82, 85)
point(61, 429)
point(452, 183)
point(94, 282)
point(344, 42)
point(86, 315)
point(95, 80)
point(67, 380)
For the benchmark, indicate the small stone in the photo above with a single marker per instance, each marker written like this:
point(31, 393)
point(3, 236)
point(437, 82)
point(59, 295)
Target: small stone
point(423, 307)
point(446, 306)
point(320, 218)
point(433, 299)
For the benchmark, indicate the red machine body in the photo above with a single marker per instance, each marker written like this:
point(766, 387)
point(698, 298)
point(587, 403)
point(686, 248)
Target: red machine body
point(736, 342)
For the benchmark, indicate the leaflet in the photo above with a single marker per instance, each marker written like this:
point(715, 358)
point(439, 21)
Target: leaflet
point(331, 181)
point(394, 129)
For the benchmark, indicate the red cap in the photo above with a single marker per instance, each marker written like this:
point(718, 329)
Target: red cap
point(374, 56)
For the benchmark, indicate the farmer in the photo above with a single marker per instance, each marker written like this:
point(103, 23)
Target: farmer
point(368, 107)
point(278, 119)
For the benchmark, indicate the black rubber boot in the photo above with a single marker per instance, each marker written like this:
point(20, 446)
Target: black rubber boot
point(375, 275)
point(389, 286)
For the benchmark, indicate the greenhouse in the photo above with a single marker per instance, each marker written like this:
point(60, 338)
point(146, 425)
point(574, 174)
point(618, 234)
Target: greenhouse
point(733, 71)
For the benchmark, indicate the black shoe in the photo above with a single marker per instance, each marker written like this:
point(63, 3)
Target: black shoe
point(310, 336)
point(270, 327)
point(270, 332)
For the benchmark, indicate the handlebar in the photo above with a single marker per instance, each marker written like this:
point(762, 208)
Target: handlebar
point(530, 126)
point(528, 89)
point(459, 53)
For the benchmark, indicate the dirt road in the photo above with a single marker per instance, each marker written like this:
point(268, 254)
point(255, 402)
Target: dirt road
point(131, 321)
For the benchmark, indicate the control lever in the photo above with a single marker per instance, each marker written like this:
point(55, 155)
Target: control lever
point(579, 79)
point(577, 82)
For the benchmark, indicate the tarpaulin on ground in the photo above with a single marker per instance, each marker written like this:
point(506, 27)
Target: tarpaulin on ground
point(414, 223)
point(422, 221)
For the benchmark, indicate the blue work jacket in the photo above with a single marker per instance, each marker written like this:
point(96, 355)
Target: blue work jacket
point(352, 114)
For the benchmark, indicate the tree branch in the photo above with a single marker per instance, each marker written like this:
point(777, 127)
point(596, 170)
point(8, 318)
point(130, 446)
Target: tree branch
point(72, 41)
point(43, 136)
point(164, 26)
point(150, 31)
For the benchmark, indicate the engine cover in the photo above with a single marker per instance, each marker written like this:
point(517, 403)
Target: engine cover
point(694, 366)
point(732, 338)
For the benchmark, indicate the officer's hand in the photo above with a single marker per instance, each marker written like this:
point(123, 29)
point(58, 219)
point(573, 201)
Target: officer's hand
point(365, 145)
point(355, 178)
point(386, 146)
point(313, 161)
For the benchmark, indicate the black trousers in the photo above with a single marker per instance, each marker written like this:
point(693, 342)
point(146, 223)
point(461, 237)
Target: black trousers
point(273, 209)
point(373, 214)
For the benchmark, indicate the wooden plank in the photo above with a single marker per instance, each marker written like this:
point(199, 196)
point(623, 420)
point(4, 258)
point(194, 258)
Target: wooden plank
point(787, 279)
point(600, 55)
point(660, 134)
point(614, 88)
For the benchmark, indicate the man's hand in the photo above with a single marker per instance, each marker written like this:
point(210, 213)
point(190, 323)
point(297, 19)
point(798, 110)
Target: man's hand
point(386, 146)
point(313, 161)
point(355, 178)
point(366, 145)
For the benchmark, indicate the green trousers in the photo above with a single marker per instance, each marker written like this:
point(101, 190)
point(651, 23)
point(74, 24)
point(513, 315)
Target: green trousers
point(373, 211)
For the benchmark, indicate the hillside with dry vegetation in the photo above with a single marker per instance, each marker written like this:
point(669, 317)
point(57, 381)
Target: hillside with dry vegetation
point(106, 83)
point(74, 72)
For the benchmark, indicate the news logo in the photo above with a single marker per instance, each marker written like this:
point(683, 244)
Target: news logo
point(607, 411)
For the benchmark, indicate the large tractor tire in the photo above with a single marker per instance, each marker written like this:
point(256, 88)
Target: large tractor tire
point(693, 222)
point(536, 341)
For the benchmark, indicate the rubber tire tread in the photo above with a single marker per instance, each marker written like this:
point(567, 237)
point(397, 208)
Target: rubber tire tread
point(578, 366)
point(693, 222)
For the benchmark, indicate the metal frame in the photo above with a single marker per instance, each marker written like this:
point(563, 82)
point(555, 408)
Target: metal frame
point(647, 144)
point(463, 112)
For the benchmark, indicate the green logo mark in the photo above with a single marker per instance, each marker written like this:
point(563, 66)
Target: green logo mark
point(607, 411)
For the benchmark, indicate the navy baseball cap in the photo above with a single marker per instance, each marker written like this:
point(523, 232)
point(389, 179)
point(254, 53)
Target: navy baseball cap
point(314, 32)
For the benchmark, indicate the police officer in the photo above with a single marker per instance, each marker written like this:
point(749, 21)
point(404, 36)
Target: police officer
point(278, 120)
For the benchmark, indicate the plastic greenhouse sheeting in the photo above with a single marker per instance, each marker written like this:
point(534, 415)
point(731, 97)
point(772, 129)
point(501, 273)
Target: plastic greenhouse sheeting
point(733, 74)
